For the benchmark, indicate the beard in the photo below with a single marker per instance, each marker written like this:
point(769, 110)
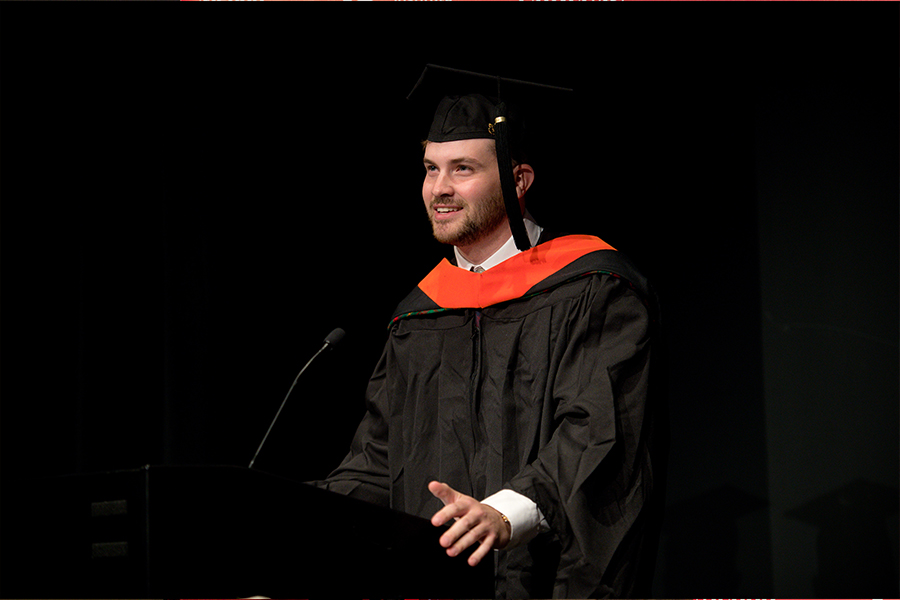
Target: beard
point(479, 221)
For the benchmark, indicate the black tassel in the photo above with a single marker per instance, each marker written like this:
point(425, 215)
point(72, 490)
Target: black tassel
point(507, 181)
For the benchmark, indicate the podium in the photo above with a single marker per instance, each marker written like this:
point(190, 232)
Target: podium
point(230, 532)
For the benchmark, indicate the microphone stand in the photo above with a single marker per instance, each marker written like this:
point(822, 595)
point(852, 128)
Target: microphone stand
point(333, 338)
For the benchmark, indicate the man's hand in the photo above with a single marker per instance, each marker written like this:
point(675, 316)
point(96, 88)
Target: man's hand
point(475, 522)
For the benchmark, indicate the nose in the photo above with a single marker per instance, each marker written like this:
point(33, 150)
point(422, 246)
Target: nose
point(440, 185)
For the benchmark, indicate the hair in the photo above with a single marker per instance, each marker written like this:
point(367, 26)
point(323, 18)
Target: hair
point(518, 157)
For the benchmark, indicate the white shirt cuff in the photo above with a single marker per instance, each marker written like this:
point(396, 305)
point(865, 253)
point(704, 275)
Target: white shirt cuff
point(525, 519)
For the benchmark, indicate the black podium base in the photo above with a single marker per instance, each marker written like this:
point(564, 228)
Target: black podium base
point(228, 532)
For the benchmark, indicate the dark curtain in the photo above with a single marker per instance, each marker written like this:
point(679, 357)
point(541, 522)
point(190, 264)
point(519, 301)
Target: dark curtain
point(185, 219)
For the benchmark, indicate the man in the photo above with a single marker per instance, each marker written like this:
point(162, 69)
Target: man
point(511, 400)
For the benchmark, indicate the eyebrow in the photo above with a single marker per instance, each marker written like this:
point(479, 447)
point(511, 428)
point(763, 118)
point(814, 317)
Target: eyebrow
point(457, 161)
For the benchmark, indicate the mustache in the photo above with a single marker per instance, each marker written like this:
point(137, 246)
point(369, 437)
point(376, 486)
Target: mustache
point(455, 202)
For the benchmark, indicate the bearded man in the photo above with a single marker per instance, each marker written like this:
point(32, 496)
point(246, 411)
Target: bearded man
point(513, 397)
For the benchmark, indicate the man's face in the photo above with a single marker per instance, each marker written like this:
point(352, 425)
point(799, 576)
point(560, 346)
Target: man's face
point(462, 191)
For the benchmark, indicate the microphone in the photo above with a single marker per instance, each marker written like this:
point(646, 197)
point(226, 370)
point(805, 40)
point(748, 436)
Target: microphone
point(332, 340)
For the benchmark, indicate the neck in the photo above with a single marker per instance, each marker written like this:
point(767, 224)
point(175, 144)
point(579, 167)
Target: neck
point(478, 252)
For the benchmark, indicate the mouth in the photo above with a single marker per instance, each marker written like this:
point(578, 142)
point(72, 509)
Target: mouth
point(445, 212)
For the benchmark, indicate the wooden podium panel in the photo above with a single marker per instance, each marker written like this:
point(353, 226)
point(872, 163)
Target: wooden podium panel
point(229, 532)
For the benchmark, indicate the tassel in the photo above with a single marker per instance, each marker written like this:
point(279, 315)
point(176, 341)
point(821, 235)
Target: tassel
point(507, 181)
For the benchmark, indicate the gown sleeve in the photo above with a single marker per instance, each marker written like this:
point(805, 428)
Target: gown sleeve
point(591, 479)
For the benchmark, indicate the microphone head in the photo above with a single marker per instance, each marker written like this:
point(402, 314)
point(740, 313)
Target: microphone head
point(335, 337)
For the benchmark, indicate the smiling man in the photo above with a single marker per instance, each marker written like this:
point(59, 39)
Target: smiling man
point(463, 197)
point(513, 400)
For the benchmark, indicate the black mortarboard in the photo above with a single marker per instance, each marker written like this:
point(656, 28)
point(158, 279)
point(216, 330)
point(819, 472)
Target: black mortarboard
point(474, 105)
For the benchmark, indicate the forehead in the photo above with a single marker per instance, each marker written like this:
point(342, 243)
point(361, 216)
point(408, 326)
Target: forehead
point(481, 150)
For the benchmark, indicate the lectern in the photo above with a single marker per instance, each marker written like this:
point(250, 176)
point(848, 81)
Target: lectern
point(230, 532)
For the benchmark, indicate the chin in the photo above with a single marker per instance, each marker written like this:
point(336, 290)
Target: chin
point(445, 237)
point(457, 236)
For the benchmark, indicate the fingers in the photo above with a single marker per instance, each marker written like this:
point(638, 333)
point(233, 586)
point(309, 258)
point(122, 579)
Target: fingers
point(473, 523)
point(450, 498)
point(460, 536)
point(465, 532)
point(443, 492)
point(480, 552)
point(438, 489)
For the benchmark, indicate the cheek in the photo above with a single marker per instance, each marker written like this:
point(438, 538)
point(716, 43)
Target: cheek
point(476, 192)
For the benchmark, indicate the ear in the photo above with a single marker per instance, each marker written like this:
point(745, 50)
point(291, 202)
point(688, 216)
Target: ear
point(524, 176)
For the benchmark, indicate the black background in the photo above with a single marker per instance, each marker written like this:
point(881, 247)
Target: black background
point(194, 197)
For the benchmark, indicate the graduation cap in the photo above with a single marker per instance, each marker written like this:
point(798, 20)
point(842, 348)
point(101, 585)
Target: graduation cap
point(473, 105)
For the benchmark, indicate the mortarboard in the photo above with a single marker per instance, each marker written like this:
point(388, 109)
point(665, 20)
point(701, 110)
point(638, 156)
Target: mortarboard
point(473, 105)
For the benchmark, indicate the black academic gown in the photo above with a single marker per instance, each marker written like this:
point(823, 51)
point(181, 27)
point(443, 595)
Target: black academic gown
point(533, 376)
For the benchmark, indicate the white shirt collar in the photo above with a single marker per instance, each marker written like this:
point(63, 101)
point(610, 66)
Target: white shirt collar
point(507, 250)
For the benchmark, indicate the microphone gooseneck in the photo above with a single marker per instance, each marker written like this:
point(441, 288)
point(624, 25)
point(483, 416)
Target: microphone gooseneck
point(332, 340)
